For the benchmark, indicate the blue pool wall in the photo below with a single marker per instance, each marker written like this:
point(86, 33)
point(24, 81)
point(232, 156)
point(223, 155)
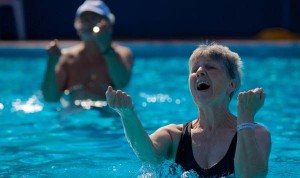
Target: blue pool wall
point(170, 49)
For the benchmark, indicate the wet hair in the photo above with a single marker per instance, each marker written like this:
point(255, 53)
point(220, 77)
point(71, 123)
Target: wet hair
point(231, 60)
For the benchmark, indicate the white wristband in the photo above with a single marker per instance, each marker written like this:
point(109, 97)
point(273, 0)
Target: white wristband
point(245, 125)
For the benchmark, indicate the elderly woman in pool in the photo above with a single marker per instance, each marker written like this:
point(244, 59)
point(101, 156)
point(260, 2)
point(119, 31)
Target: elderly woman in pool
point(216, 143)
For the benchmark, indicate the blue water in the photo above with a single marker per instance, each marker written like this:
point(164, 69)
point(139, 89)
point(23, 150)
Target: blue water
point(37, 139)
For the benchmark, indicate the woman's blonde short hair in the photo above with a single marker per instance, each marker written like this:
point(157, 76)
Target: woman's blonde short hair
point(231, 60)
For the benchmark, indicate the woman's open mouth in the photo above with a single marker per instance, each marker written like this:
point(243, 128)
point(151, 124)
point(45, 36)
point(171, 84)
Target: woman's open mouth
point(202, 86)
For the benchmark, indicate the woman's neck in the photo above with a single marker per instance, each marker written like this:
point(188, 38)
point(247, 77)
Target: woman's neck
point(211, 119)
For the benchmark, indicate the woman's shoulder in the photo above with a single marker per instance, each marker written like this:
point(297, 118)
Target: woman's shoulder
point(260, 129)
point(173, 127)
point(263, 137)
point(171, 132)
point(262, 134)
point(174, 130)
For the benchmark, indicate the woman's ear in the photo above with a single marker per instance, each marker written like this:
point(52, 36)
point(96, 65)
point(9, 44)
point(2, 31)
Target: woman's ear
point(232, 86)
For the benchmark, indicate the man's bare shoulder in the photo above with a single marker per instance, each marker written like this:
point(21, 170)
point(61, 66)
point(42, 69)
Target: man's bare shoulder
point(71, 53)
point(118, 47)
point(122, 50)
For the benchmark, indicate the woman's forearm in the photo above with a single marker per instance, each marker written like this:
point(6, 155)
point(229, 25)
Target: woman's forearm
point(139, 139)
point(250, 160)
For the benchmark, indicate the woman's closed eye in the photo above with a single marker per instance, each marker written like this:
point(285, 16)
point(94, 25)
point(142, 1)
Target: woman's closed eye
point(206, 67)
point(209, 67)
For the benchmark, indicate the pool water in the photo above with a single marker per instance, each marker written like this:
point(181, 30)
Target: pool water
point(38, 139)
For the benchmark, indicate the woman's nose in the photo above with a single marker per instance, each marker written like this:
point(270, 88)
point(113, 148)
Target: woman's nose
point(201, 72)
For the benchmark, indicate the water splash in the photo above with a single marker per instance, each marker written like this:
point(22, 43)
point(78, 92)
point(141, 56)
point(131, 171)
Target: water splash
point(32, 105)
point(166, 169)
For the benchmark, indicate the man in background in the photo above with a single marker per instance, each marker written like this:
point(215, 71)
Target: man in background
point(84, 71)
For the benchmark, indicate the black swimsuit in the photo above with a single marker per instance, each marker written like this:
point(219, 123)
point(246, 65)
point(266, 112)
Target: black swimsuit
point(185, 157)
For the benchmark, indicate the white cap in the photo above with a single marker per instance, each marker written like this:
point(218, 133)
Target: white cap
point(98, 7)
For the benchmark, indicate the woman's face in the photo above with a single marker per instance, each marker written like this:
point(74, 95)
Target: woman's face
point(208, 81)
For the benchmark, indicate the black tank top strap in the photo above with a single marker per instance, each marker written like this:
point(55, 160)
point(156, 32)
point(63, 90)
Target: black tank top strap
point(232, 147)
point(183, 147)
